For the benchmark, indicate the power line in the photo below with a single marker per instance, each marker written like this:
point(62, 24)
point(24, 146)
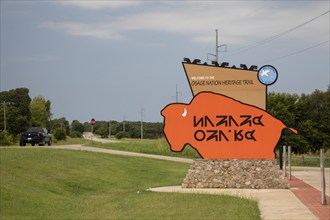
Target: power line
point(297, 52)
point(267, 40)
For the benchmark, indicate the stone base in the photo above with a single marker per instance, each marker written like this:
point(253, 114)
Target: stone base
point(239, 174)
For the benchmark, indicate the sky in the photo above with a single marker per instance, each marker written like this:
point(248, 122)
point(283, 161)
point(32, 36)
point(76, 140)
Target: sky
point(120, 60)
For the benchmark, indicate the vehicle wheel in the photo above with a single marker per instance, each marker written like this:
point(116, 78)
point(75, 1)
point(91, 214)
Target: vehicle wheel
point(32, 144)
point(22, 144)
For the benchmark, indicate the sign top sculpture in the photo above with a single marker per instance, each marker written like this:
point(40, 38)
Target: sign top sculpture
point(244, 84)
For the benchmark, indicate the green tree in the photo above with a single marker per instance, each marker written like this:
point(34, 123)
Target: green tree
point(59, 134)
point(60, 123)
point(282, 106)
point(15, 103)
point(103, 131)
point(40, 112)
point(309, 114)
point(314, 114)
point(77, 126)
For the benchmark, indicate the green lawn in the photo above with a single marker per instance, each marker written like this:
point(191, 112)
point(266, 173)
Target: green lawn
point(147, 146)
point(63, 184)
point(161, 147)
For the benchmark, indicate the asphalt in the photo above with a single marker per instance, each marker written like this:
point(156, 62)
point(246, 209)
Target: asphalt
point(273, 203)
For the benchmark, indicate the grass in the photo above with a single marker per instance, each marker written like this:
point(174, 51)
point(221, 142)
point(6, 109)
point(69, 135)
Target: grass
point(161, 147)
point(62, 184)
point(308, 160)
point(147, 146)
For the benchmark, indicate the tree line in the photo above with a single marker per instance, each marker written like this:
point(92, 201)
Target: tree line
point(307, 113)
point(19, 112)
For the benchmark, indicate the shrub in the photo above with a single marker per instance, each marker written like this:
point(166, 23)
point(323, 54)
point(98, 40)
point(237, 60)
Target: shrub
point(6, 139)
point(76, 134)
point(59, 134)
point(121, 135)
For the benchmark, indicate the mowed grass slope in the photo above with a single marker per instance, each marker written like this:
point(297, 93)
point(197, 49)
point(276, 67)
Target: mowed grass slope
point(63, 184)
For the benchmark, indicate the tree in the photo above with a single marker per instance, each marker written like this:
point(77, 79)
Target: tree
point(60, 123)
point(314, 112)
point(59, 134)
point(77, 126)
point(309, 114)
point(77, 129)
point(17, 110)
point(40, 112)
point(282, 106)
point(103, 131)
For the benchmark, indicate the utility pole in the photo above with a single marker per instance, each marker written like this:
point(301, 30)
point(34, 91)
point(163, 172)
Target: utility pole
point(109, 128)
point(124, 124)
point(176, 93)
point(141, 121)
point(217, 46)
point(4, 116)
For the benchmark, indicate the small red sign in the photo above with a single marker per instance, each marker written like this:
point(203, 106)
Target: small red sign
point(93, 121)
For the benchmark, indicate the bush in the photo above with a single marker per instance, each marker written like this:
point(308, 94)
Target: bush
point(6, 139)
point(76, 134)
point(121, 135)
point(59, 134)
point(103, 132)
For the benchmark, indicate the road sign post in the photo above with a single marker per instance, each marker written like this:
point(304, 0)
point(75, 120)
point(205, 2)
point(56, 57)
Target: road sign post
point(93, 121)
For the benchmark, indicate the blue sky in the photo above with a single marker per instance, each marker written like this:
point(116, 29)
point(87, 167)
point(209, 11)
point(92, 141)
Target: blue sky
point(104, 59)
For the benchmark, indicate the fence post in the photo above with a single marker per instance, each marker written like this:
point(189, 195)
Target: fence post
point(289, 161)
point(323, 196)
point(284, 159)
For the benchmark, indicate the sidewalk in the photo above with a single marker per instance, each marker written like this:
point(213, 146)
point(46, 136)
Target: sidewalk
point(310, 197)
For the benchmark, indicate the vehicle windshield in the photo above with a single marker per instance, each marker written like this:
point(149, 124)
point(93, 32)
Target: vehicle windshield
point(34, 130)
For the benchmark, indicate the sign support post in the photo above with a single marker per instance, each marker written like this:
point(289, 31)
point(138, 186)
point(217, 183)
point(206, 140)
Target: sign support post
point(289, 161)
point(323, 196)
point(284, 160)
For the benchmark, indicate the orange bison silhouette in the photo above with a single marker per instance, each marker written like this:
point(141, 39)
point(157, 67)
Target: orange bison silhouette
point(219, 127)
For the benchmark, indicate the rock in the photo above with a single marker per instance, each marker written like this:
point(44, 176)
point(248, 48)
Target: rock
point(240, 174)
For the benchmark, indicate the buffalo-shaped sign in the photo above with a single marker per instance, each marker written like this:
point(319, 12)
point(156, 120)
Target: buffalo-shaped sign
point(220, 127)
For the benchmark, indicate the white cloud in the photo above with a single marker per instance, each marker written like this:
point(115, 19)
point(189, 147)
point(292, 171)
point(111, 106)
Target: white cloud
point(39, 58)
point(92, 4)
point(97, 30)
point(238, 22)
